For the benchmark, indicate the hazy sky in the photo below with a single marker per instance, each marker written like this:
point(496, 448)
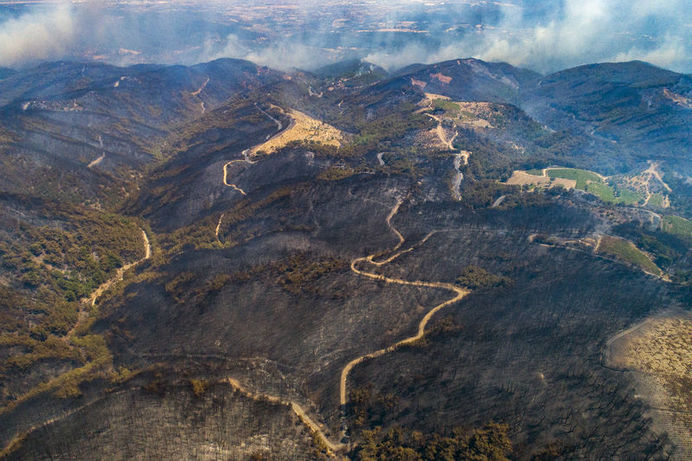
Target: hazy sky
point(542, 35)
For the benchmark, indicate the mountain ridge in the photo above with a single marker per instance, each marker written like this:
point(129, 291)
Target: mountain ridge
point(279, 270)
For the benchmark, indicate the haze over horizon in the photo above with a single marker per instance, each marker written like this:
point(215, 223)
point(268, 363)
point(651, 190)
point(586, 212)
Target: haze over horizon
point(542, 36)
point(250, 243)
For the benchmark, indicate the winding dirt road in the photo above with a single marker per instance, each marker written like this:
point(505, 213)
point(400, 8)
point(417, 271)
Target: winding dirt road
point(246, 158)
point(15, 441)
point(460, 156)
point(459, 294)
point(279, 125)
point(91, 300)
point(218, 228)
point(653, 171)
point(199, 90)
point(333, 447)
point(119, 274)
point(499, 201)
point(297, 409)
point(441, 134)
point(95, 162)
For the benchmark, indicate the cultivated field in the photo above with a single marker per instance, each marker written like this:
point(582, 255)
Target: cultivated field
point(677, 226)
point(574, 178)
point(626, 251)
point(524, 178)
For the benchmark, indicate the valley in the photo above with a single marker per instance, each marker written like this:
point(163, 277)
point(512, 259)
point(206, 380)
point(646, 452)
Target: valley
point(229, 261)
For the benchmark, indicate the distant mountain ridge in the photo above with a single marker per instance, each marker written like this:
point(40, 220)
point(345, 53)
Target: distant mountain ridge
point(631, 103)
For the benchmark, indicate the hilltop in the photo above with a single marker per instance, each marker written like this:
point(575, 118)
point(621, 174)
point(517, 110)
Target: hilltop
point(299, 265)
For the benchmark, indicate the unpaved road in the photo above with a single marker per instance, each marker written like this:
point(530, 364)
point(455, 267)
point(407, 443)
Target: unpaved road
point(201, 88)
point(95, 162)
point(459, 293)
point(218, 227)
point(198, 91)
point(17, 440)
point(246, 157)
point(605, 353)
point(279, 125)
point(14, 443)
point(499, 201)
point(91, 300)
point(458, 157)
point(441, 134)
point(653, 170)
point(225, 171)
point(297, 409)
point(119, 274)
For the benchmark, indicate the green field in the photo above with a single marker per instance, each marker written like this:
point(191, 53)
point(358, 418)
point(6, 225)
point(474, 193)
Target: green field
point(656, 200)
point(628, 196)
point(592, 183)
point(677, 226)
point(581, 176)
point(602, 191)
point(535, 172)
point(626, 251)
point(446, 105)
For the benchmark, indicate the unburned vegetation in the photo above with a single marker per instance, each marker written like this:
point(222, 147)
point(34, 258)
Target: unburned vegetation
point(625, 250)
point(51, 266)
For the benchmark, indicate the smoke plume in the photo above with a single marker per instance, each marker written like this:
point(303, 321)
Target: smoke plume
point(542, 35)
point(41, 34)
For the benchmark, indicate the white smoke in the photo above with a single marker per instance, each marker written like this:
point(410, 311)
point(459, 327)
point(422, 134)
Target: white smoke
point(581, 31)
point(565, 34)
point(672, 53)
point(46, 34)
point(282, 55)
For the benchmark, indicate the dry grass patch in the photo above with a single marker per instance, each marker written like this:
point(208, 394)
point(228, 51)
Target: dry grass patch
point(479, 114)
point(470, 114)
point(677, 98)
point(433, 96)
point(442, 78)
point(661, 349)
point(522, 178)
point(303, 128)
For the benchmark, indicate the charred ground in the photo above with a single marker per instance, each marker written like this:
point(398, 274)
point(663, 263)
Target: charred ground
point(251, 303)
